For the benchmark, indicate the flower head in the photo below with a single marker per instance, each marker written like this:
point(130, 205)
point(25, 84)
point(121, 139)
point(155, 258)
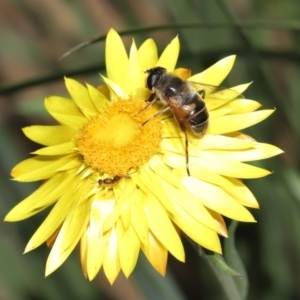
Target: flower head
point(116, 176)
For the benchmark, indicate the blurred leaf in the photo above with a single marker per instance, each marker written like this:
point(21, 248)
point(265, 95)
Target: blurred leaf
point(219, 263)
point(233, 258)
point(223, 273)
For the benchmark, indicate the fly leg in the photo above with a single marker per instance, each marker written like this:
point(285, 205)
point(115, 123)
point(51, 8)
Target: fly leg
point(187, 153)
point(157, 114)
point(152, 99)
point(186, 149)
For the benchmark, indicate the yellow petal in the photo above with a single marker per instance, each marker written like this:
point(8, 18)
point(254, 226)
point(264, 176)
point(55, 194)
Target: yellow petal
point(156, 254)
point(184, 199)
point(129, 251)
point(53, 221)
point(241, 193)
point(83, 253)
point(208, 143)
point(161, 170)
point(239, 106)
point(217, 199)
point(116, 90)
point(237, 122)
point(139, 222)
point(162, 228)
point(97, 239)
point(135, 78)
point(111, 263)
point(228, 167)
point(148, 181)
point(81, 97)
point(96, 254)
point(116, 59)
point(216, 164)
point(197, 232)
point(210, 176)
point(65, 148)
point(168, 58)
point(112, 217)
point(50, 135)
point(215, 74)
point(43, 167)
point(50, 241)
point(99, 100)
point(232, 186)
point(259, 151)
point(71, 231)
point(65, 112)
point(220, 222)
point(241, 88)
point(103, 89)
point(214, 142)
point(147, 54)
point(41, 198)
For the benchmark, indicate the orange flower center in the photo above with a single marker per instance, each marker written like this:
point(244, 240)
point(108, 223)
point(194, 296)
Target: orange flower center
point(116, 141)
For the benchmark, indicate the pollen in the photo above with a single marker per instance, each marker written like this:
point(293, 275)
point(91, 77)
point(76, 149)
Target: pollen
point(117, 141)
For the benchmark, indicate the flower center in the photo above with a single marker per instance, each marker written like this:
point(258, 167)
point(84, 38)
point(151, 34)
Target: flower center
point(116, 141)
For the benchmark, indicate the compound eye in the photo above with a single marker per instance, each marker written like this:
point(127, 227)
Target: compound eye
point(152, 80)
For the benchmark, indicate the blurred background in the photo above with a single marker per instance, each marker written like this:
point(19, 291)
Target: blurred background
point(266, 37)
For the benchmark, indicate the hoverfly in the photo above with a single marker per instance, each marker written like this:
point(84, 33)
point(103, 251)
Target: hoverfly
point(185, 99)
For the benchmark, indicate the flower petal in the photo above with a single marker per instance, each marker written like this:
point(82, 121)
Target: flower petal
point(221, 166)
point(220, 221)
point(197, 231)
point(65, 148)
point(129, 251)
point(147, 54)
point(239, 106)
point(156, 254)
point(184, 199)
point(53, 221)
point(97, 239)
point(135, 78)
point(41, 198)
point(259, 151)
point(81, 97)
point(168, 58)
point(161, 226)
point(116, 90)
point(217, 200)
point(41, 167)
point(100, 101)
point(241, 193)
point(71, 231)
point(230, 123)
point(50, 135)
point(139, 221)
point(116, 58)
point(65, 112)
point(215, 74)
point(214, 142)
point(227, 167)
point(111, 263)
point(147, 180)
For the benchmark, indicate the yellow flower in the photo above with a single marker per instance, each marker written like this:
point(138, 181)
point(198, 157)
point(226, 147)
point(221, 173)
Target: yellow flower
point(119, 185)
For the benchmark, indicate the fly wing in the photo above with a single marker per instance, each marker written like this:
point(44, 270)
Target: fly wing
point(196, 124)
point(215, 96)
point(178, 111)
